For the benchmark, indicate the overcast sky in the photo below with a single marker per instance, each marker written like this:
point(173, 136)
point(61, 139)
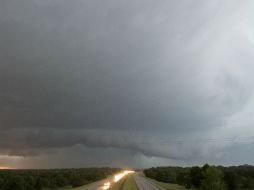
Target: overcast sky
point(126, 83)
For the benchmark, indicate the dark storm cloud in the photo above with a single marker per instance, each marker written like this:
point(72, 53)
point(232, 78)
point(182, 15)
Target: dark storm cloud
point(92, 72)
point(33, 142)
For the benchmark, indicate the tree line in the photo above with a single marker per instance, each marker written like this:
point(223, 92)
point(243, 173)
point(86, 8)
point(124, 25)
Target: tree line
point(206, 177)
point(51, 178)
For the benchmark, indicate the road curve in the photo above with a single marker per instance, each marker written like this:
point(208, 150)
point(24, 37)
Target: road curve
point(145, 184)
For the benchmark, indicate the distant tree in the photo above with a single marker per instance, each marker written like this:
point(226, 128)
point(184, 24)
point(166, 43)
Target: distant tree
point(213, 179)
point(39, 184)
point(205, 167)
point(77, 181)
point(183, 178)
point(196, 176)
point(232, 180)
point(235, 177)
point(50, 179)
point(29, 182)
point(247, 183)
point(60, 181)
point(1, 182)
point(16, 183)
point(151, 172)
point(161, 176)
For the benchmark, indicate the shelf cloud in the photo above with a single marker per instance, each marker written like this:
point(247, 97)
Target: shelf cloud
point(158, 79)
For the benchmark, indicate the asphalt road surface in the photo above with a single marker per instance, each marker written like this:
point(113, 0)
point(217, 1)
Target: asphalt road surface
point(96, 186)
point(145, 184)
point(142, 183)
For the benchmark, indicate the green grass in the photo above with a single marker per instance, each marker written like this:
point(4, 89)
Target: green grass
point(130, 183)
point(169, 186)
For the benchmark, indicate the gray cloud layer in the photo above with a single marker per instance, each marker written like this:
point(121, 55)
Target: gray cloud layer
point(124, 74)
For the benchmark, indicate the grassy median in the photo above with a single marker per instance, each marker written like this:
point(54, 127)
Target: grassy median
point(127, 183)
point(130, 183)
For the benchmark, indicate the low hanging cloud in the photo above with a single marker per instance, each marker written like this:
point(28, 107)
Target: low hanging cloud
point(33, 143)
point(123, 74)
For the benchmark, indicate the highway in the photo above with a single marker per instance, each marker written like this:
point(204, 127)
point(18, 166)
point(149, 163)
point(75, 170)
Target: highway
point(107, 183)
point(142, 183)
point(145, 184)
point(94, 186)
